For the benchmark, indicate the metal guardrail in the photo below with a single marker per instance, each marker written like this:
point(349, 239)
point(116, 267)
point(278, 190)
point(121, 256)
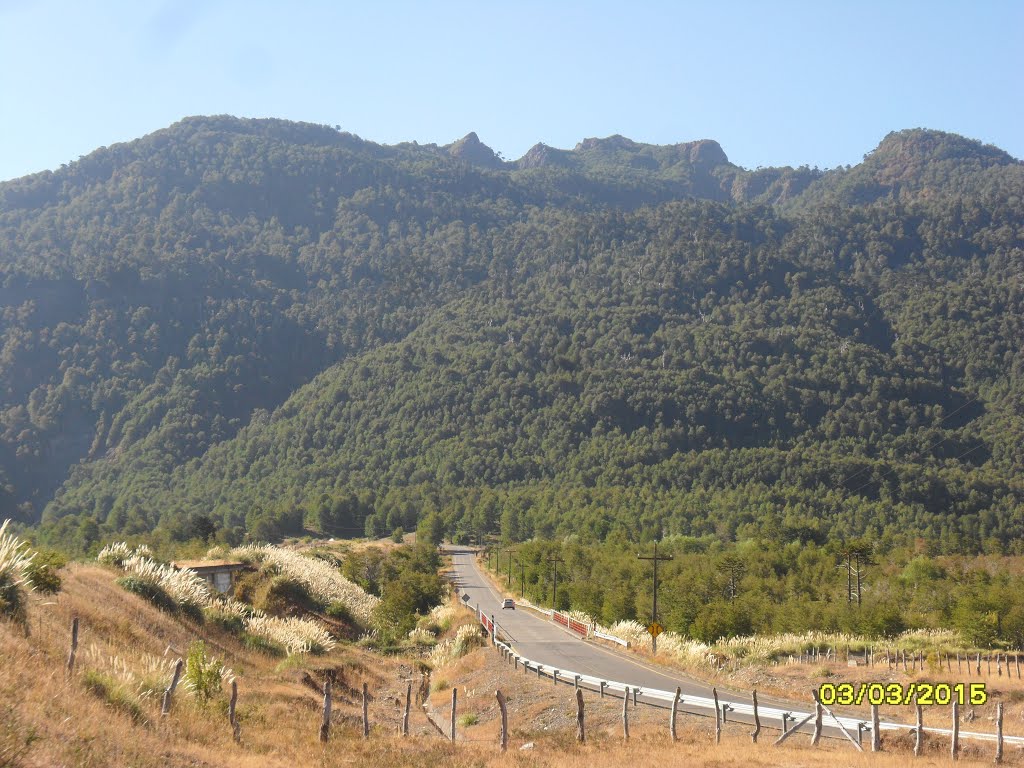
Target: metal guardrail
point(854, 725)
point(611, 638)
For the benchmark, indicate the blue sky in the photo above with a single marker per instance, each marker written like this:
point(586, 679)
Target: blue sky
point(776, 83)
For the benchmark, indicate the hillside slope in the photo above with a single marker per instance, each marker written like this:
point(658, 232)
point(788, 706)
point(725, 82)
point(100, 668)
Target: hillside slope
point(578, 317)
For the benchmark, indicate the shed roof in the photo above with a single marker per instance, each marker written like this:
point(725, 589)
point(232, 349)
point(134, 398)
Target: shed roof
point(206, 566)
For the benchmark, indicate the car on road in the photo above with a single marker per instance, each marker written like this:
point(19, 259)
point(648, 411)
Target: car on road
point(508, 602)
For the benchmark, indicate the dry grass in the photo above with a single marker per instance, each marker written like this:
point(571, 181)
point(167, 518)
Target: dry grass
point(126, 645)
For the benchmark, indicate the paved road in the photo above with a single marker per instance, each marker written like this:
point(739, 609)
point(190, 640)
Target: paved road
point(533, 637)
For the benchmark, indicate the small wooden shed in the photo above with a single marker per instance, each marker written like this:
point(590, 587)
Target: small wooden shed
point(219, 574)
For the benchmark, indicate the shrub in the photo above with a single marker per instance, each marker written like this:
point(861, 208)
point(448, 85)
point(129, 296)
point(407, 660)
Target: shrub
point(229, 615)
point(254, 642)
point(323, 582)
point(467, 637)
point(42, 571)
point(340, 612)
point(15, 561)
point(202, 674)
point(468, 719)
point(117, 553)
point(113, 692)
point(282, 593)
point(149, 590)
point(295, 635)
point(422, 637)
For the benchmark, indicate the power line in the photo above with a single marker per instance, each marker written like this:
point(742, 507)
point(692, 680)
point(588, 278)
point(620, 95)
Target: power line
point(654, 610)
point(554, 561)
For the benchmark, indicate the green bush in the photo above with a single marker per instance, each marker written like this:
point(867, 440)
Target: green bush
point(114, 693)
point(263, 645)
point(42, 571)
point(12, 599)
point(281, 595)
point(202, 673)
point(152, 592)
point(229, 622)
point(341, 612)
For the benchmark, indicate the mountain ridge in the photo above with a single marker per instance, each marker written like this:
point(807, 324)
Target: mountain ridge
point(164, 300)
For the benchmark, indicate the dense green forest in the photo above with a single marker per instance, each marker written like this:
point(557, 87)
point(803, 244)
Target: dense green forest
point(712, 589)
point(236, 328)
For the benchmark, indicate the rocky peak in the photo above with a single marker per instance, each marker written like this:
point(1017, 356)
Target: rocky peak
point(609, 144)
point(470, 149)
point(707, 154)
point(541, 156)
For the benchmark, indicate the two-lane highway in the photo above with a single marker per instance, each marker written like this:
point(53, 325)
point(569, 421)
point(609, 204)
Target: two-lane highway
point(554, 647)
point(546, 643)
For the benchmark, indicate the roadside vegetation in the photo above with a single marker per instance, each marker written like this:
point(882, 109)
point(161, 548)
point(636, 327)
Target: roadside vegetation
point(761, 598)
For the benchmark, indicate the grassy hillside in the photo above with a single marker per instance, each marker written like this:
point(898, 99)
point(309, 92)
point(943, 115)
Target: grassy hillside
point(107, 713)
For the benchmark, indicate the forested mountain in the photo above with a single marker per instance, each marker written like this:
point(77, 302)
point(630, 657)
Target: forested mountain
point(255, 326)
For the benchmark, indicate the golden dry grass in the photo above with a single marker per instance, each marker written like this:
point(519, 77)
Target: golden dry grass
point(47, 720)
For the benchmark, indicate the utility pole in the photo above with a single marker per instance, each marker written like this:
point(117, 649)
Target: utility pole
point(522, 579)
point(554, 580)
point(510, 553)
point(654, 609)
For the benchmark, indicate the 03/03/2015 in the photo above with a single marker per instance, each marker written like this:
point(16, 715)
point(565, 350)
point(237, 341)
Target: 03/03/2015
point(897, 694)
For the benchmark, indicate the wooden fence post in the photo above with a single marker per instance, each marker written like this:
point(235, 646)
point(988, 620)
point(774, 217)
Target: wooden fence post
point(455, 696)
point(74, 646)
point(504, 719)
point(580, 732)
point(625, 713)
point(718, 717)
point(366, 713)
point(977, 668)
point(165, 707)
point(601, 686)
point(999, 732)
point(634, 697)
point(954, 742)
point(757, 720)
point(785, 720)
point(919, 732)
point(796, 726)
point(876, 735)
point(325, 722)
point(554, 677)
point(816, 734)
point(405, 715)
point(236, 728)
point(672, 716)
